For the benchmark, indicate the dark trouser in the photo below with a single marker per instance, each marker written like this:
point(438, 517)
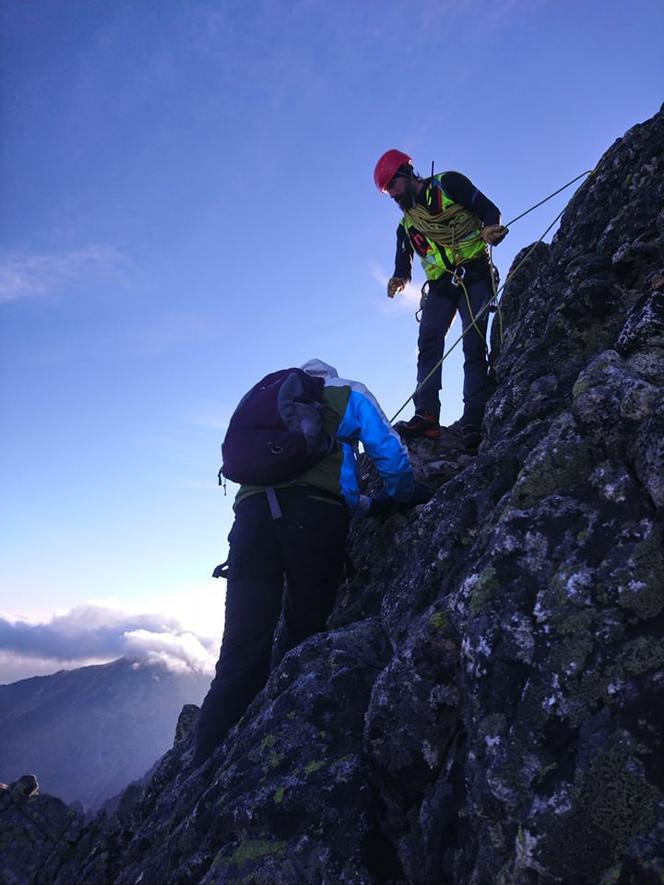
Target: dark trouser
point(438, 311)
point(306, 547)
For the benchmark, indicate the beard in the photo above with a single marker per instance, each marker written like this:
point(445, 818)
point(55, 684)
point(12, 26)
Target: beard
point(406, 200)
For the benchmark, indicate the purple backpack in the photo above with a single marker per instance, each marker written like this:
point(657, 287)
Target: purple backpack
point(276, 431)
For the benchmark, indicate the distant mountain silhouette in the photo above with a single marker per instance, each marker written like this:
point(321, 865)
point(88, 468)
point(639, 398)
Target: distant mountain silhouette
point(89, 732)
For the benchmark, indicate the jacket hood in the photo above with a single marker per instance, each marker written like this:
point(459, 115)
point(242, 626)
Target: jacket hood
point(319, 369)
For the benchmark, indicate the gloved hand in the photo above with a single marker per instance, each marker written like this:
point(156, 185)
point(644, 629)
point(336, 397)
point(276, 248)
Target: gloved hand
point(395, 285)
point(492, 234)
point(380, 505)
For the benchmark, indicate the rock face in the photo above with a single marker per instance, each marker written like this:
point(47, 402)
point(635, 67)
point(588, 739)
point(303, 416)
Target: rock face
point(33, 829)
point(487, 706)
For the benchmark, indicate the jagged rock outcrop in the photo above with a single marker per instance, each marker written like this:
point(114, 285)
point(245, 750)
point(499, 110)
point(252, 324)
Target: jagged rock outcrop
point(34, 831)
point(488, 704)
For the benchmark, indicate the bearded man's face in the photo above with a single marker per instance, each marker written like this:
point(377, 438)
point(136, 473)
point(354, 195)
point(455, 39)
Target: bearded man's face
point(402, 190)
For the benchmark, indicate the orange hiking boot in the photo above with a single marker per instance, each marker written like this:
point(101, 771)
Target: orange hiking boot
point(421, 424)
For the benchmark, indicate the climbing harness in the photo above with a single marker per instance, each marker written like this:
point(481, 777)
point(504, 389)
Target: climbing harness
point(494, 298)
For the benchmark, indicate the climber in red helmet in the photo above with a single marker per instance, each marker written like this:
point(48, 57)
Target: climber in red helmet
point(450, 224)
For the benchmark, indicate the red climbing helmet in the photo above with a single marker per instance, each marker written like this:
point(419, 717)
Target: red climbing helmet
point(387, 167)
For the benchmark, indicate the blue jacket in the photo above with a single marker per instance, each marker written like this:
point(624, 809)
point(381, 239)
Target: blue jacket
point(352, 415)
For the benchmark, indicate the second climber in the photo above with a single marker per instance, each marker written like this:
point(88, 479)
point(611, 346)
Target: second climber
point(450, 224)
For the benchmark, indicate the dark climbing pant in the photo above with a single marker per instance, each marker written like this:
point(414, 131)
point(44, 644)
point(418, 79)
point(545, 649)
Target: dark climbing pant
point(289, 566)
point(438, 311)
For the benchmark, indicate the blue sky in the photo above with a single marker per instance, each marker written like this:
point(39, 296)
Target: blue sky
point(188, 204)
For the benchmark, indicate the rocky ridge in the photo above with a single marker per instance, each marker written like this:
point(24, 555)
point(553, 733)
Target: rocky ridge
point(487, 706)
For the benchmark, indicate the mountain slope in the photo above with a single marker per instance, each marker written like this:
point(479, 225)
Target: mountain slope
point(89, 732)
point(487, 704)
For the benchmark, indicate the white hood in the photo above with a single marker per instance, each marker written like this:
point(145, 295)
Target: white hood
point(319, 369)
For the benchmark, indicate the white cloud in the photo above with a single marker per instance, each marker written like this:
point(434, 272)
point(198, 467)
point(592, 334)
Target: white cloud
point(92, 633)
point(29, 276)
point(183, 652)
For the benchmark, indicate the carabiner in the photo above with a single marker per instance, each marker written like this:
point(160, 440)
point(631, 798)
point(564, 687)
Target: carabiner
point(458, 275)
point(424, 294)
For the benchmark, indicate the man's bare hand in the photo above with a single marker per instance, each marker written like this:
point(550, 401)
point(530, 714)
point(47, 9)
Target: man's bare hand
point(395, 285)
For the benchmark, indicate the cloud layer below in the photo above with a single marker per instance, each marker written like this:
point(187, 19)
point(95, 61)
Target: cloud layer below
point(91, 634)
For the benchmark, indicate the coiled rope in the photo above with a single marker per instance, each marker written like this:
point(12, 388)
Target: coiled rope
point(448, 227)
